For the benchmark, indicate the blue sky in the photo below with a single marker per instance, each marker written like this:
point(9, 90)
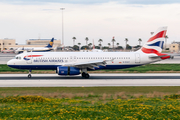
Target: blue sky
point(132, 19)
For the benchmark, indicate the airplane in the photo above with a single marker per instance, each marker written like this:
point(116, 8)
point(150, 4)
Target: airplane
point(75, 63)
point(11, 50)
point(36, 49)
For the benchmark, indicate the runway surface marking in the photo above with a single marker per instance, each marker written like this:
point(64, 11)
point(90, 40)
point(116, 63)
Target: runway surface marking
point(53, 80)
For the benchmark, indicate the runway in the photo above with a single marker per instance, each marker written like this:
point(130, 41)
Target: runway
point(53, 80)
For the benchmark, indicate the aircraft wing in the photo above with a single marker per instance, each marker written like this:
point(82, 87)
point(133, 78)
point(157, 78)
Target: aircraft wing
point(89, 64)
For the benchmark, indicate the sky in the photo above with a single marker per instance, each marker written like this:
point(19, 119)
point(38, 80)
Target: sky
point(102, 19)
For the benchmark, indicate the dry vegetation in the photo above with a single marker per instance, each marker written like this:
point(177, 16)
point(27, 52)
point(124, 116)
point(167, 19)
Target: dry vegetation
point(104, 96)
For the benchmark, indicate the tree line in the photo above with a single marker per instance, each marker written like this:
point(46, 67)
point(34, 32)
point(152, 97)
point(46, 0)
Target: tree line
point(110, 46)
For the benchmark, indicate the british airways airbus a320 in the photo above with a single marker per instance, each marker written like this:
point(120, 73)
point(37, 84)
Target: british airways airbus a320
point(75, 63)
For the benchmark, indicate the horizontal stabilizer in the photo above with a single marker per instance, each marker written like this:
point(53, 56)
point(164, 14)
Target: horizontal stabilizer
point(158, 56)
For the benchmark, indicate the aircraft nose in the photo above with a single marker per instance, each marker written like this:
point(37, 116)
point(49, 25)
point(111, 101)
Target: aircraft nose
point(10, 62)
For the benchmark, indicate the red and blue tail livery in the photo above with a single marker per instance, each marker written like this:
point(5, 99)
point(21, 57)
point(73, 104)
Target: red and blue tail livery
point(155, 44)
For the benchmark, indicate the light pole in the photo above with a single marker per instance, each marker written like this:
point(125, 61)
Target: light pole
point(62, 27)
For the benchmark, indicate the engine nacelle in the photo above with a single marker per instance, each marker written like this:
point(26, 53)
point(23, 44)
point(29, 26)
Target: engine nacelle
point(68, 70)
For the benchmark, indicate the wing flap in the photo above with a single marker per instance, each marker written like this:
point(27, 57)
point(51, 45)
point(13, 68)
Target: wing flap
point(89, 64)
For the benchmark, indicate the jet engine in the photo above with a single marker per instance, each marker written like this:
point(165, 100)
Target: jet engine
point(62, 70)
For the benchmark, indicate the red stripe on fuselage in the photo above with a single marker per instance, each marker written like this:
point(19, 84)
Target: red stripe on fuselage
point(159, 35)
point(149, 51)
point(34, 56)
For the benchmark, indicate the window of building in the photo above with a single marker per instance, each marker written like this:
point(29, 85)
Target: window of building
point(9, 43)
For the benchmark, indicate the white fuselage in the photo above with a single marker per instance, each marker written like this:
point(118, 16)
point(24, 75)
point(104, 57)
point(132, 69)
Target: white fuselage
point(35, 49)
point(51, 60)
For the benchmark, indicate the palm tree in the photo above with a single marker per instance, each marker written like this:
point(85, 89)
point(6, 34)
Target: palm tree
point(126, 40)
point(89, 45)
point(166, 37)
point(100, 45)
point(79, 45)
point(100, 40)
point(86, 39)
point(109, 44)
point(140, 41)
point(113, 40)
point(117, 44)
point(74, 38)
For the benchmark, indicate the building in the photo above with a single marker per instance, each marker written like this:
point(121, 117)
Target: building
point(8, 44)
point(175, 47)
point(44, 42)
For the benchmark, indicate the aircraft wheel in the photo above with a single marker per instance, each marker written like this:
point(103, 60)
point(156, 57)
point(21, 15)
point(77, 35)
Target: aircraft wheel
point(86, 75)
point(83, 74)
point(29, 76)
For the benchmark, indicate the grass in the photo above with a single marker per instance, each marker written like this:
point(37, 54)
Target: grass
point(88, 103)
point(140, 69)
point(84, 108)
point(83, 91)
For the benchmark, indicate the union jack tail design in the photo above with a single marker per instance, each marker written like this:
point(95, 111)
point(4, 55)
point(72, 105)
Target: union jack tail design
point(155, 44)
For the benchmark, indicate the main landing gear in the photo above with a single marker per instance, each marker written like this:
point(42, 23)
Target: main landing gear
point(84, 73)
point(29, 75)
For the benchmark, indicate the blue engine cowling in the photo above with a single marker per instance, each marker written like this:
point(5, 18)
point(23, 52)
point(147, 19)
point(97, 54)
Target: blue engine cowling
point(68, 70)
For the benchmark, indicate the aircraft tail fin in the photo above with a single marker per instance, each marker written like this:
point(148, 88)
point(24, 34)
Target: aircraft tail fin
point(156, 42)
point(50, 43)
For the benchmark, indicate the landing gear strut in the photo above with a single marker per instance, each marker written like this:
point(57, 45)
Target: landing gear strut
point(85, 75)
point(29, 75)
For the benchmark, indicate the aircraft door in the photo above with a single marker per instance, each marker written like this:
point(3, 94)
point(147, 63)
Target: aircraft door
point(29, 58)
point(137, 58)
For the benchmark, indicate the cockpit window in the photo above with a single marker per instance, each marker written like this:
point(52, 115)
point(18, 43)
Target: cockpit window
point(18, 58)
